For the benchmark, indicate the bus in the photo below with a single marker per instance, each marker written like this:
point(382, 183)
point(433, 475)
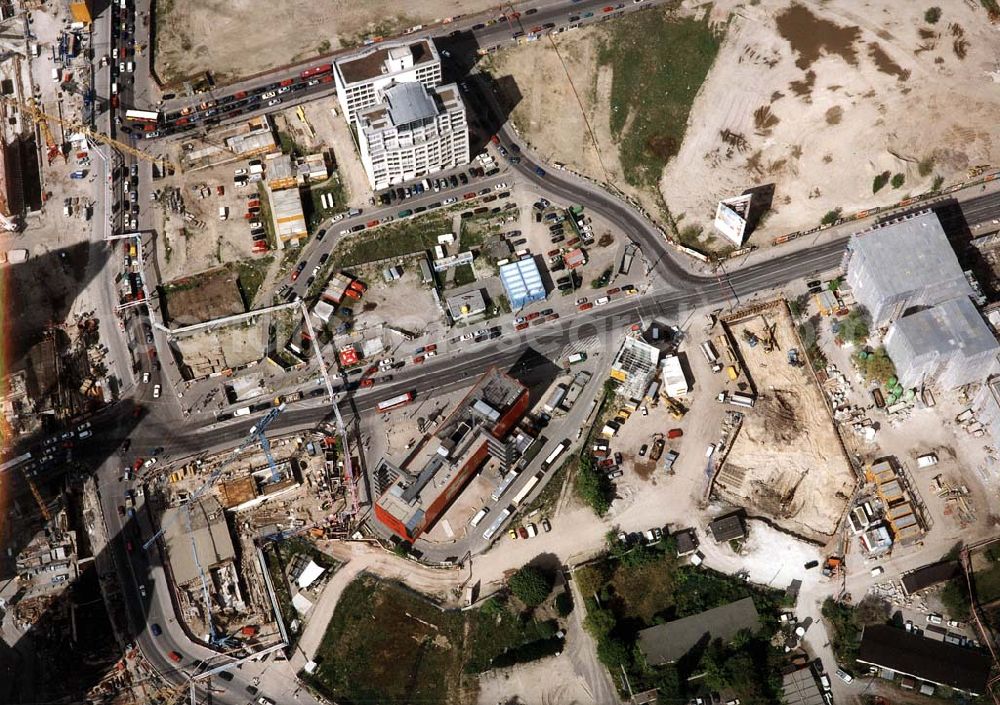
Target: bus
point(497, 523)
point(316, 71)
point(554, 455)
point(526, 490)
point(480, 515)
point(146, 116)
point(395, 402)
point(503, 486)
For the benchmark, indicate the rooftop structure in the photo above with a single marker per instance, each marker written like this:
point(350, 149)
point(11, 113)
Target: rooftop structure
point(522, 282)
point(928, 576)
point(312, 169)
point(728, 528)
point(286, 213)
point(687, 542)
point(414, 131)
point(435, 473)
point(470, 303)
point(210, 534)
point(902, 265)
point(634, 367)
point(949, 343)
point(666, 643)
point(674, 380)
point(280, 173)
point(898, 652)
point(800, 688)
point(251, 138)
point(362, 78)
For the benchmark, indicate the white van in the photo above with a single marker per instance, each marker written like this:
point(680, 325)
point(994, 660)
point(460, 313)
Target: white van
point(480, 515)
point(55, 75)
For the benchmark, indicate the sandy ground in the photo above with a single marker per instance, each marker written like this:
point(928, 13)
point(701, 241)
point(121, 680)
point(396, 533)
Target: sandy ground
point(821, 121)
point(551, 115)
point(786, 462)
point(213, 34)
point(816, 123)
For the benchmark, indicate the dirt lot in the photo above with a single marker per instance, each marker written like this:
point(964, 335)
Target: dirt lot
point(817, 120)
point(204, 296)
point(548, 114)
point(786, 462)
point(212, 35)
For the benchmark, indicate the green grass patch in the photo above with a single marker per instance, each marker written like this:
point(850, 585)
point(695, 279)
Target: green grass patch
point(388, 644)
point(252, 273)
point(313, 208)
point(392, 240)
point(289, 145)
point(464, 274)
point(659, 64)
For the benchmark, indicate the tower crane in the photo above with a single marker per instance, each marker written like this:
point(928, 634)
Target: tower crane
point(42, 119)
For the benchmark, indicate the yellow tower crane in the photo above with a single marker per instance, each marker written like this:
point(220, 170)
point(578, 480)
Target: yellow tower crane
point(43, 118)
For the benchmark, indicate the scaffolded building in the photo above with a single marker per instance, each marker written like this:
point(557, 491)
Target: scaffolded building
point(904, 264)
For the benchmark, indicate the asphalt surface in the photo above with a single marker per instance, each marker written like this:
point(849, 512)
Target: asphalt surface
point(161, 423)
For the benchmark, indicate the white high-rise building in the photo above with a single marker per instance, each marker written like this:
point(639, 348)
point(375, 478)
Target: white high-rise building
point(362, 77)
point(413, 132)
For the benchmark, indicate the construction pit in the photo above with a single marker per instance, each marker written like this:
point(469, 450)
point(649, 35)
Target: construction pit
point(251, 504)
point(786, 462)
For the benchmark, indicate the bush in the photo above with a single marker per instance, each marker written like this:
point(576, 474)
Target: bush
point(897, 180)
point(875, 366)
point(926, 166)
point(593, 486)
point(854, 329)
point(530, 585)
point(831, 217)
point(932, 15)
point(844, 630)
point(879, 181)
point(532, 651)
point(938, 182)
point(564, 603)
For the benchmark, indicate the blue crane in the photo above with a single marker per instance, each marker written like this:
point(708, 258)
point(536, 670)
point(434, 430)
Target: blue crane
point(253, 436)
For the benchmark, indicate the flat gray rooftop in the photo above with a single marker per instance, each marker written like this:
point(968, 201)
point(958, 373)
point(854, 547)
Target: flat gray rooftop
point(911, 254)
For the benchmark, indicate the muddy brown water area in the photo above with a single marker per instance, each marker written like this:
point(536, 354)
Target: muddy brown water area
point(885, 64)
point(811, 36)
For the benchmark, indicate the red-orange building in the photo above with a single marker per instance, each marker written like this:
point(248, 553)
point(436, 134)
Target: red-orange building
point(477, 429)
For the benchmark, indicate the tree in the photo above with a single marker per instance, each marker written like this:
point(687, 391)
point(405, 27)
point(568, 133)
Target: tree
point(873, 610)
point(897, 180)
point(854, 329)
point(593, 486)
point(879, 181)
point(932, 15)
point(564, 603)
point(875, 366)
point(831, 217)
point(530, 585)
point(955, 599)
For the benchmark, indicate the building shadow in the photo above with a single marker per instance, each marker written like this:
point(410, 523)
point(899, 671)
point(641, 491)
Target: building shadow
point(489, 100)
